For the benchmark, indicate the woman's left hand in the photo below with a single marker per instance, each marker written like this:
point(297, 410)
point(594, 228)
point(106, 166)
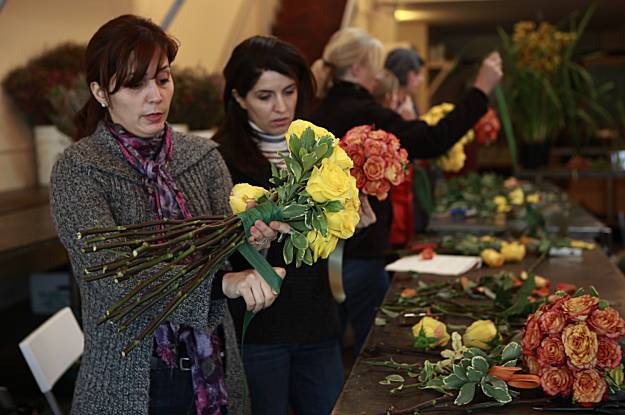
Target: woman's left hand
point(262, 234)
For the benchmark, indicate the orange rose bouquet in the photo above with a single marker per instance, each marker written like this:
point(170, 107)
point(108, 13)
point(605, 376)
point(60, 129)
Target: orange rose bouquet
point(379, 160)
point(572, 344)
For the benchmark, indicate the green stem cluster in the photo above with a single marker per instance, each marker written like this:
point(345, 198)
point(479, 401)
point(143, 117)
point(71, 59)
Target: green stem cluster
point(185, 253)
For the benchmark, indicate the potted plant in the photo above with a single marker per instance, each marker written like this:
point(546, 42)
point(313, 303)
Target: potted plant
point(546, 89)
point(197, 100)
point(30, 87)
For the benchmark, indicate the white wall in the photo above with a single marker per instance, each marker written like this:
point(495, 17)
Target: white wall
point(206, 29)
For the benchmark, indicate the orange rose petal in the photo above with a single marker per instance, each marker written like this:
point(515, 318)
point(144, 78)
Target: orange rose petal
point(524, 384)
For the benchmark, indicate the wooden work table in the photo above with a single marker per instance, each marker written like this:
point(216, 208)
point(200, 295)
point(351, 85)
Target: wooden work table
point(362, 394)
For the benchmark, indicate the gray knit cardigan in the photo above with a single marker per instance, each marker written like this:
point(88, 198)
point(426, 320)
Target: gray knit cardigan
point(92, 185)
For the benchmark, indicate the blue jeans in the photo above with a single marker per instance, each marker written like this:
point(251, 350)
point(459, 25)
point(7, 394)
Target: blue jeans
point(308, 376)
point(365, 283)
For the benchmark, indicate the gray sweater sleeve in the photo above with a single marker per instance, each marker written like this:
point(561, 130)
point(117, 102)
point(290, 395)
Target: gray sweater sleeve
point(79, 201)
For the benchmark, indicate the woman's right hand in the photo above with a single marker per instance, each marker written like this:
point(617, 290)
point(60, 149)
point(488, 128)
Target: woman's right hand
point(252, 287)
point(367, 215)
point(490, 73)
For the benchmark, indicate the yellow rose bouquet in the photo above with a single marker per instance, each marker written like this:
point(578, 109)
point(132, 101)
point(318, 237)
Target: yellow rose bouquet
point(316, 195)
point(454, 160)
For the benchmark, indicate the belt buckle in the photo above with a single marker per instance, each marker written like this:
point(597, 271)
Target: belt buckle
point(184, 363)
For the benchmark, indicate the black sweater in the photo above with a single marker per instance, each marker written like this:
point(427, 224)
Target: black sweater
point(348, 105)
point(304, 312)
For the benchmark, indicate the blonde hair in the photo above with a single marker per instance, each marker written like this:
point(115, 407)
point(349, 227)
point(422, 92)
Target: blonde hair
point(346, 47)
point(387, 84)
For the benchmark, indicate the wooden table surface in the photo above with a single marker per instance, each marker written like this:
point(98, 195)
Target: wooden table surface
point(362, 394)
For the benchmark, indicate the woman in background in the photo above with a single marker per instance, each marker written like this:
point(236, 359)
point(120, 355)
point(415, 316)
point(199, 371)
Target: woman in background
point(291, 351)
point(346, 76)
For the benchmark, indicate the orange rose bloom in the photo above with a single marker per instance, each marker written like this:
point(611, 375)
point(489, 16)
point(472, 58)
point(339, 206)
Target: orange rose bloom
point(532, 334)
point(374, 168)
point(607, 323)
point(532, 363)
point(552, 321)
point(408, 293)
point(609, 353)
point(578, 308)
point(551, 352)
point(580, 345)
point(556, 381)
point(589, 386)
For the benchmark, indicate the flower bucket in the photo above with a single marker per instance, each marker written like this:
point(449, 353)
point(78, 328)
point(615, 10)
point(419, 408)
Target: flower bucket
point(49, 145)
point(534, 155)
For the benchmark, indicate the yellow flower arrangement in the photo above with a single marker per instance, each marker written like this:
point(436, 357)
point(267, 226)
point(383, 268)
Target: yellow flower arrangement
point(454, 160)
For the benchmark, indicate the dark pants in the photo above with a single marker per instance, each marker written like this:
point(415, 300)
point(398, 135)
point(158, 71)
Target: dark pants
point(308, 376)
point(171, 390)
point(365, 282)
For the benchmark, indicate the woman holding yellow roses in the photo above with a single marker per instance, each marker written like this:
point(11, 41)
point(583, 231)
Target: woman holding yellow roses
point(346, 76)
point(291, 351)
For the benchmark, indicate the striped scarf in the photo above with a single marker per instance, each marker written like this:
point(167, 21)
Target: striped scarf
point(272, 147)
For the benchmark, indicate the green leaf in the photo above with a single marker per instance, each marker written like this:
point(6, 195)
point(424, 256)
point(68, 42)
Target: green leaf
point(395, 378)
point(299, 226)
point(593, 291)
point(474, 351)
point(295, 144)
point(460, 372)
point(579, 292)
point(308, 161)
point(274, 171)
point(510, 363)
point(300, 254)
point(320, 151)
point(474, 375)
point(308, 139)
point(511, 351)
point(294, 166)
point(480, 364)
point(287, 251)
point(497, 390)
point(320, 223)
point(294, 211)
point(453, 382)
point(333, 206)
point(299, 240)
point(603, 304)
point(379, 321)
point(522, 295)
point(466, 394)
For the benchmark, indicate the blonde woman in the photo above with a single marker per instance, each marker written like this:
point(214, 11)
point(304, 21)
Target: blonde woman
point(347, 75)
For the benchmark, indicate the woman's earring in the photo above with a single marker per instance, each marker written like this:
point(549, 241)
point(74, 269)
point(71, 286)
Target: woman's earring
point(103, 104)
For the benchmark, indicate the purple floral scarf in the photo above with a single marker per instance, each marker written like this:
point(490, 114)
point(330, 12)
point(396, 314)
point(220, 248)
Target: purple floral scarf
point(150, 158)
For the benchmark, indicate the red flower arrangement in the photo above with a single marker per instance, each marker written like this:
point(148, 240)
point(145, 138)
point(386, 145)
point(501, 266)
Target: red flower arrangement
point(379, 160)
point(487, 128)
point(571, 343)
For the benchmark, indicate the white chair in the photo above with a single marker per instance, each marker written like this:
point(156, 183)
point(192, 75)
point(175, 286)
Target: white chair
point(51, 349)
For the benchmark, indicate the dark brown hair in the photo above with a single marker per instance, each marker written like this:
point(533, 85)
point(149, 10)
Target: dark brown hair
point(121, 50)
point(249, 60)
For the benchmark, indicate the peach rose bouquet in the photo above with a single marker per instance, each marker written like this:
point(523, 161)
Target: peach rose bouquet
point(571, 343)
point(379, 161)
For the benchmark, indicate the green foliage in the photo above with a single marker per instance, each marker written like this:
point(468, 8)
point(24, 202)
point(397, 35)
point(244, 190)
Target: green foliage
point(30, 85)
point(197, 99)
point(302, 212)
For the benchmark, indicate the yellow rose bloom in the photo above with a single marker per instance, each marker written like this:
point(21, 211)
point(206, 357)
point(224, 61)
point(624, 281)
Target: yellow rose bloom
point(321, 247)
point(502, 204)
point(580, 345)
point(243, 193)
point(512, 251)
point(492, 258)
point(340, 158)
point(479, 334)
point(297, 127)
point(343, 224)
point(329, 182)
point(582, 244)
point(533, 198)
point(516, 196)
point(432, 328)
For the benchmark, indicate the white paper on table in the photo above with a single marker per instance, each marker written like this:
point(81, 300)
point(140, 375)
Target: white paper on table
point(440, 264)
